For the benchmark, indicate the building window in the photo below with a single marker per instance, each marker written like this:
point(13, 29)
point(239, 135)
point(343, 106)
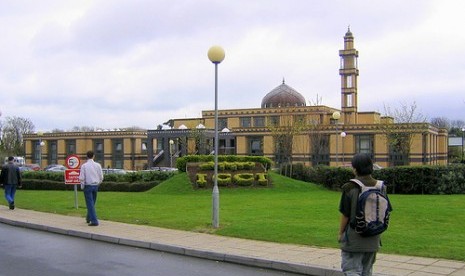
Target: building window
point(37, 152)
point(99, 151)
point(245, 122)
point(320, 148)
point(399, 149)
point(299, 119)
point(70, 145)
point(118, 154)
point(349, 81)
point(259, 121)
point(349, 101)
point(364, 144)
point(159, 143)
point(273, 120)
point(227, 146)
point(144, 147)
point(52, 152)
point(222, 123)
point(256, 146)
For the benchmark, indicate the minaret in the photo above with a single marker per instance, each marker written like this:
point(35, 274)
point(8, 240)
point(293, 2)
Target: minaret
point(349, 74)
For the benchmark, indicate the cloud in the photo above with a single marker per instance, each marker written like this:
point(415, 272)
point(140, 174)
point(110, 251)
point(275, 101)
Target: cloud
point(124, 63)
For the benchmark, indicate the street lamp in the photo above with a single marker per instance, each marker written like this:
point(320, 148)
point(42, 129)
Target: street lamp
point(336, 116)
point(171, 152)
point(463, 130)
point(216, 56)
point(343, 135)
point(41, 145)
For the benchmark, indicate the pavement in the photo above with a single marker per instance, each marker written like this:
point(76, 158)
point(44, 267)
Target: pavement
point(302, 259)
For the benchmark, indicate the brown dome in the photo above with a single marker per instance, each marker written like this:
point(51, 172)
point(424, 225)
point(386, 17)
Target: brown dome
point(283, 96)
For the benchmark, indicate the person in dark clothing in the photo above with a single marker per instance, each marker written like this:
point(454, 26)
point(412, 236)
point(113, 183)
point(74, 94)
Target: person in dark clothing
point(358, 253)
point(10, 177)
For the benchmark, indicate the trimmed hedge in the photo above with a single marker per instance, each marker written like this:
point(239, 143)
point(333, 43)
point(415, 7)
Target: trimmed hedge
point(181, 162)
point(243, 179)
point(227, 166)
point(129, 182)
point(426, 179)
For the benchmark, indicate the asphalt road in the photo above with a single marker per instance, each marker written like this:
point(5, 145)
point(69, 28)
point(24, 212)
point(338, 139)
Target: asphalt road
point(31, 252)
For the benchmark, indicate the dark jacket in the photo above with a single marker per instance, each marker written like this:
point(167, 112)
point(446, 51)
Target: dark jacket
point(10, 175)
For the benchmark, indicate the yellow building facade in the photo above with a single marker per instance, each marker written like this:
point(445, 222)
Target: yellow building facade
point(113, 149)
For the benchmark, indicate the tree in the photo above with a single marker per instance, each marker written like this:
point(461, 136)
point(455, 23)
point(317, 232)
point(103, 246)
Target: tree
point(83, 129)
point(284, 132)
point(407, 121)
point(441, 122)
point(456, 127)
point(319, 141)
point(12, 135)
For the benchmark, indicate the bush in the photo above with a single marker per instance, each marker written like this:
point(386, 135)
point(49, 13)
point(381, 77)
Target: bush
point(181, 162)
point(201, 180)
point(130, 182)
point(244, 179)
point(224, 179)
point(262, 179)
point(426, 179)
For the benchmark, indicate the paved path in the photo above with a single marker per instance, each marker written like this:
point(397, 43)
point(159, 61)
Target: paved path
point(294, 258)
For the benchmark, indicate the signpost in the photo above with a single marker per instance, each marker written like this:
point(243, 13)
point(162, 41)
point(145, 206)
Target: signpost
point(72, 174)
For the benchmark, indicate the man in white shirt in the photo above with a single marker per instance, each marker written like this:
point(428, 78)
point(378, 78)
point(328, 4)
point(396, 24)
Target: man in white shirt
point(90, 177)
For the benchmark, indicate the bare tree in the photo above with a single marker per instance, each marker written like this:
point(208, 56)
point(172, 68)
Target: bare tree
point(441, 122)
point(83, 129)
point(283, 134)
point(135, 128)
point(57, 130)
point(407, 121)
point(318, 100)
point(319, 141)
point(12, 135)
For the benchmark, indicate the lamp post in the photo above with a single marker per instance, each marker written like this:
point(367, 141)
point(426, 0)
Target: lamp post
point(336, 116)
point(216, 56)
point(463, 130)
point(343, 135)
point(171, 153)
point(41, 145)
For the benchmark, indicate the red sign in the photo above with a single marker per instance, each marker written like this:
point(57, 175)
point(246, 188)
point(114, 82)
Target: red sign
point(72, 176)
point(73, 161)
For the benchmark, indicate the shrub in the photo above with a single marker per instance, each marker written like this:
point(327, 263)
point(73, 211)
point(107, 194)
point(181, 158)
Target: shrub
point(452, 182)
point(244, 179)
point(262, 179)
point(181, 162)
point(207, 166)
point(426, 179)
point(130, 182)
point(201, 180)
point(224, 179)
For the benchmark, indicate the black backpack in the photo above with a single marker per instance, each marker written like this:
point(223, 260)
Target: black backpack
point(373, 210)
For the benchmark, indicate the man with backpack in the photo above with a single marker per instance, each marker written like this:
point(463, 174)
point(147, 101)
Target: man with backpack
point(365, 211)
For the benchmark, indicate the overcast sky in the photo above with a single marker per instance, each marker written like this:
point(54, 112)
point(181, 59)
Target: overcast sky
point(121, 63)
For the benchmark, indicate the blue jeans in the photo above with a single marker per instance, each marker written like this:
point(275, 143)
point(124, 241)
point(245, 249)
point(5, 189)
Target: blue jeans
point(358, 263)
point(10, 191)
point(90, 194)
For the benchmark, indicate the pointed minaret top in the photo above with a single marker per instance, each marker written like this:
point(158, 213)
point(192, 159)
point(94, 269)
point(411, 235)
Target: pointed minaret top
point(349, 33)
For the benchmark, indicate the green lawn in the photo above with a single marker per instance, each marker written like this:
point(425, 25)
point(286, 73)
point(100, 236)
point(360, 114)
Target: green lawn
point(290, 212)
